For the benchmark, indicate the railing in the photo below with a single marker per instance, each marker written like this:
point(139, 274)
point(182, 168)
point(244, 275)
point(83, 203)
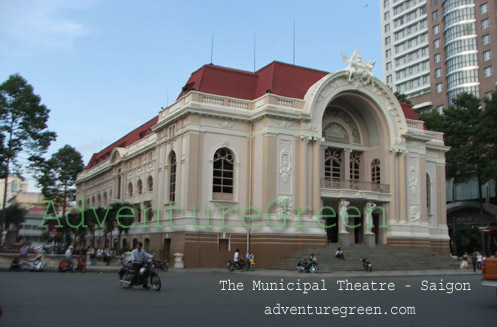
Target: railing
point(336, 184)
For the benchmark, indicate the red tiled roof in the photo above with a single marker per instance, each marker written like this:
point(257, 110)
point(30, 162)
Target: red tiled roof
point(127, 140)
point(409, 113)
point(280, 78)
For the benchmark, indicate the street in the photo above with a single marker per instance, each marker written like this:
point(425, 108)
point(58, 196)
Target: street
point(196, 298)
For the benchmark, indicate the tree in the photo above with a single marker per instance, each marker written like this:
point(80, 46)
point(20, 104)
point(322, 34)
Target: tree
point(14, 217)
point(23, 128)
point(402, 97)
point(462, 127)
point(57, 176)
point(123, 221)
point(489, 135)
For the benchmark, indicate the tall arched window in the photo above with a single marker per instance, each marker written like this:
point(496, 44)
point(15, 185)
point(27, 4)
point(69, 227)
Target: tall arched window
point(355, 166)
point(375, 171)
point(150, 183)
point(332, 164)
point(105, 199)
point(428, 193)
point(223, 175)
point(140, 186)
point(130, 189)
point(172, 177)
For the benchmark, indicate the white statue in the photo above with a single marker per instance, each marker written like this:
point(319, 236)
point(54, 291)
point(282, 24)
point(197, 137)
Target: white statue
point(357, 68)
point(344, 218)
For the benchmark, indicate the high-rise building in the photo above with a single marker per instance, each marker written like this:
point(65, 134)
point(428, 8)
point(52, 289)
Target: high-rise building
point(436, 49)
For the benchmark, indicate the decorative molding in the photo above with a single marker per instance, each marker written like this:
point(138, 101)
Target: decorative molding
point(285, 209)
point(413, 179)
point(360, 195)
point(310, 127)
point(283, 123)
point(285, 165)
point(414, 214)
point(338, 113)
point(226, 123)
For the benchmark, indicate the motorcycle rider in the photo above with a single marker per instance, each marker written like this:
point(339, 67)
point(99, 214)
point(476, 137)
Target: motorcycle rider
point(312, 260)
point(137, 257)
point(69, 256)
point(237, 260)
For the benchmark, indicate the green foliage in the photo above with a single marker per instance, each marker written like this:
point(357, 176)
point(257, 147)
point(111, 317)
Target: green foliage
point(14, 216)
point(57, 176)
point(23, 128)
point(402, 98)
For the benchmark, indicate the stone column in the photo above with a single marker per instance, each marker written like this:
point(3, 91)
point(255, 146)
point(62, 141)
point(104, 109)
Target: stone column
point(316, 180)
point(346, 164)
point(302, 174)
point(391, 169)
point(402, 190)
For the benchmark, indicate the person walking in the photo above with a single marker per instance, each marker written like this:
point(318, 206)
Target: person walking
point(473, 261)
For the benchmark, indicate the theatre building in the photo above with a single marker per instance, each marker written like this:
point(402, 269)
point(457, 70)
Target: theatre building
point(278, 160)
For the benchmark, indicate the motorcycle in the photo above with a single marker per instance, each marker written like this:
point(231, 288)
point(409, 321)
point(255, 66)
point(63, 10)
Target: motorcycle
point(66, 265)
point(162, 265)
point(28, 265)
point(308, 267)
point(366, 264)
point(232, 266)
point(126, 274)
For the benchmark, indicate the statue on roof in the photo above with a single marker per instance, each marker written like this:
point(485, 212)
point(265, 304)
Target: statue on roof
point(358, 69)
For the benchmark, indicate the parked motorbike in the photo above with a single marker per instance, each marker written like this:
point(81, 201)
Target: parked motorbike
point(232, 266)
point(126, 274)
point(28, 265)
point(307, 266)
point(366, 264)
point(65, 265)
point(162, 265)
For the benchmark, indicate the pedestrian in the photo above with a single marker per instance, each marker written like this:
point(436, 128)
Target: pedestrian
point(480, 260)
point(473, 261)
point(339, 254)
point(465, 260)
point(24, 251)
point(93, 255)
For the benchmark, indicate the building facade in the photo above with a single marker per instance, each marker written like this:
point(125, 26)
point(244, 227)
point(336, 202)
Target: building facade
point(15, 186)
point(434, 50)
point(277, 160)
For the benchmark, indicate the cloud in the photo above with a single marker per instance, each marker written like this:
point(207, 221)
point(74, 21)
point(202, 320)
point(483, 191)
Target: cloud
point(42, 24)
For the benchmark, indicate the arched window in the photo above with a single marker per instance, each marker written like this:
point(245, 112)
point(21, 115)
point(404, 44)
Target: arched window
point(172, 177)
point(428, 193)
point(355, 166)
point(150, 182)
point(140, 186)
point(332, 164)
point(375, 171)
point(99, 201)
point(223, 174)
point(130, 189)
point(105, 199)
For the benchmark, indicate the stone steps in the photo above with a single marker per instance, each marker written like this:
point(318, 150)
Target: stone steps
point(382, 257)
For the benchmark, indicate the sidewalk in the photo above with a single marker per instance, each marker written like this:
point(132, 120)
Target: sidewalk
point(114, 268)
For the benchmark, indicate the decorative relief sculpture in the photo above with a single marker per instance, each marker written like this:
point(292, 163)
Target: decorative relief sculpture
point(225, 123)
point(340, 114)
point(358, 69)
point(283, 123)
point(360, 195)
point(413, 179)
point(285, 165)
point(285, 206)
point(414, 214)
point(310, 127)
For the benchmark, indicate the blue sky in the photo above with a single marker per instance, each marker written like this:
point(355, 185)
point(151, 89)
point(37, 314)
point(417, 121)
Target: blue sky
point(104, 67)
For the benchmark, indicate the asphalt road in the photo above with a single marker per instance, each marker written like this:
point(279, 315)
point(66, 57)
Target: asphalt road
point(196, 299)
